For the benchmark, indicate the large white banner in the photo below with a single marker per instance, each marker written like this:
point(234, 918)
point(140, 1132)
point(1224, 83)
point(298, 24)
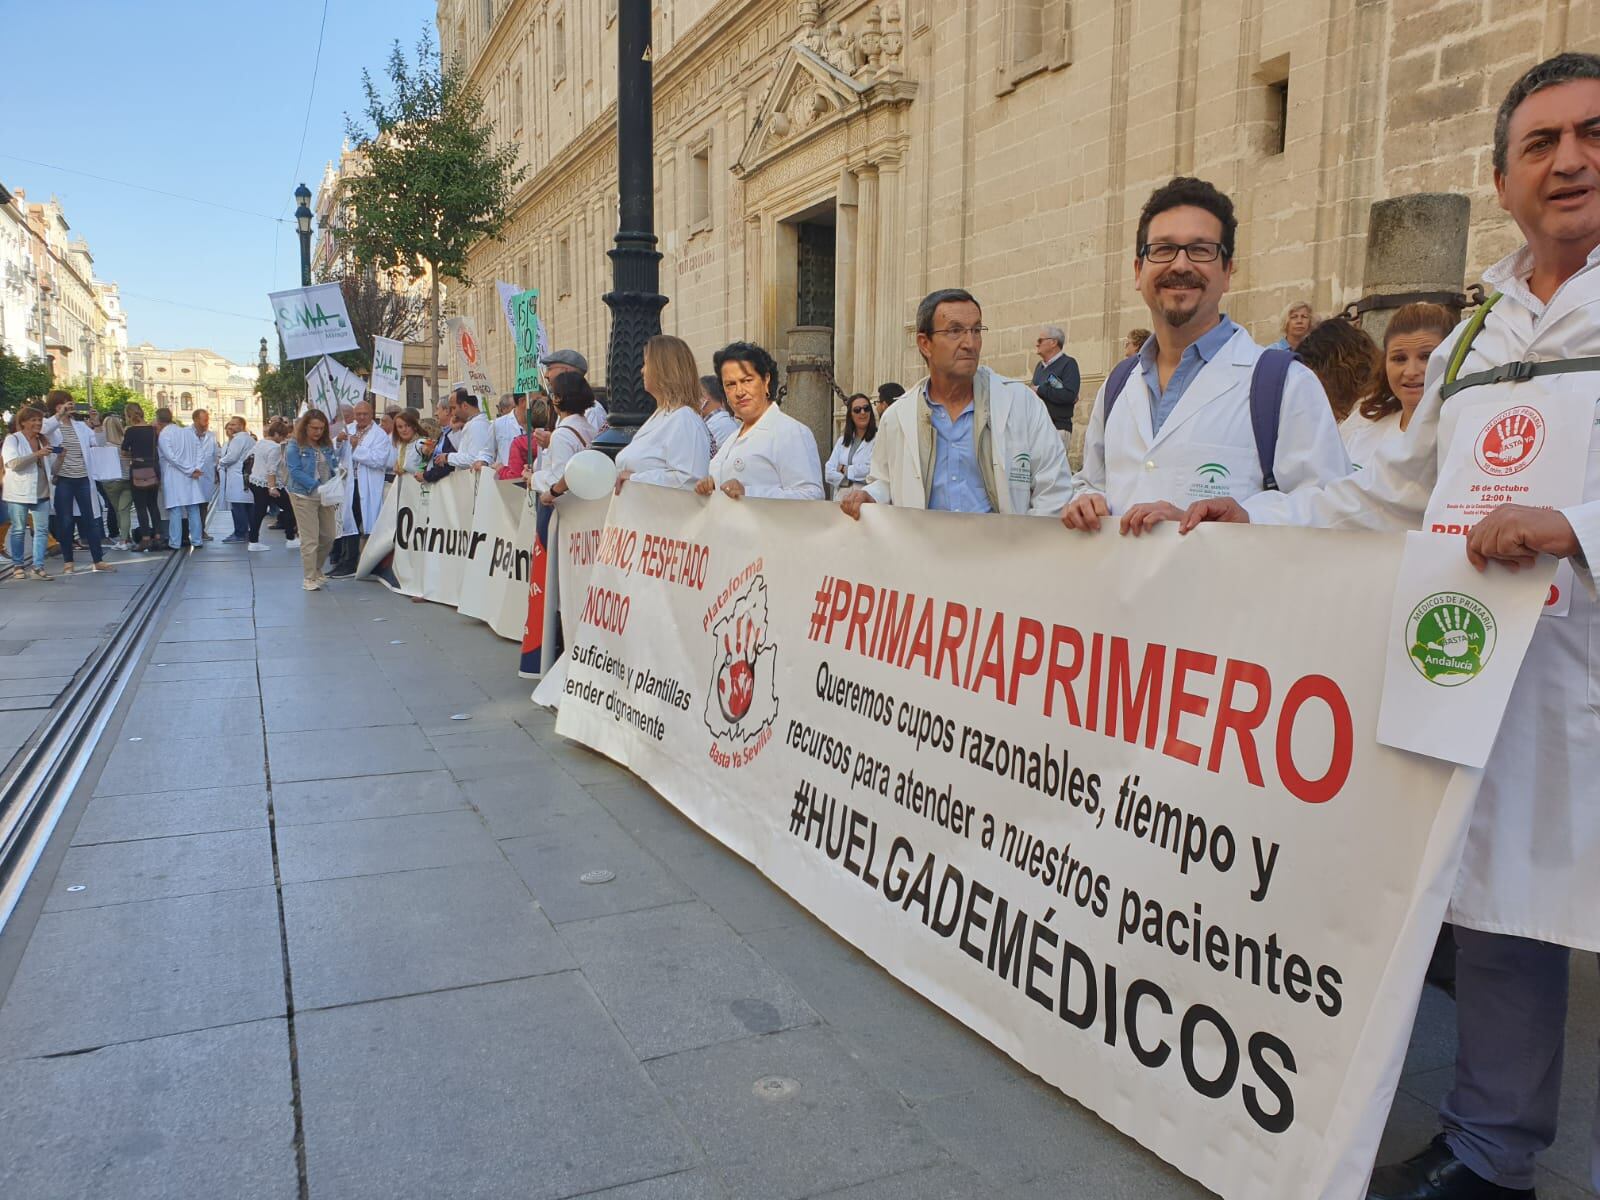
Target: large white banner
point(312, 320)
point(466, 541)
point(387, 354)
point(1118, 806)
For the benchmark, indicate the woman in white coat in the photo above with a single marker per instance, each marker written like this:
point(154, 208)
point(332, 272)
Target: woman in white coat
point(672, 448)
point(1414, 333)
point(773, 456)
point(27, 456)
point(573, 397)
point(235, 490)
point(850, 464)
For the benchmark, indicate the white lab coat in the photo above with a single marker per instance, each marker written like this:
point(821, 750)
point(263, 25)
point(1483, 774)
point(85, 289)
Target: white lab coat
point(598, 417)
point(1031, 475)
point(849, 466)
point(775, 458)
point(370, 456)
point(206, 458)
point(574, 433)
point(1530, 866)
point(506, 428)
point(22, 483)
point(1207, 445)
point(474, 444)
point(1362, 437)
point(240, 447)
point(671, 449)
point(179, 451)
point(722, 426)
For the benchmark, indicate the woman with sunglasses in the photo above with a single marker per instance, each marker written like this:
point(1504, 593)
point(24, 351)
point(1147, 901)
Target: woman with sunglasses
point(850, 464)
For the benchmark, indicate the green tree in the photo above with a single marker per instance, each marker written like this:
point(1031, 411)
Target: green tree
point(433, 182)
point(22, 380)
point(109, 395)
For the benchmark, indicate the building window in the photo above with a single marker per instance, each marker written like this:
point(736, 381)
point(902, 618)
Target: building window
point(238, 407)
point(558, 47)
point(564, 266)
point(1277, 139)
point(186, 402)
point(700, 189)
point(414, 391)
point(1035, 38)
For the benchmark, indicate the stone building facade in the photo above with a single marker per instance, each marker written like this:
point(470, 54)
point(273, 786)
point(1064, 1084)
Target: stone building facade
point(828, 162)
point(184, 380)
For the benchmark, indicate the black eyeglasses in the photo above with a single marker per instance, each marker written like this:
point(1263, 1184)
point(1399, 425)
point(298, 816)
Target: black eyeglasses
point(1165, 252)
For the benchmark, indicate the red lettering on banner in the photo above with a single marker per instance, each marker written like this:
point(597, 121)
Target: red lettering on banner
point(1186, 703)
point(1316, 791)
point(1146, 699)
point(1242, 721)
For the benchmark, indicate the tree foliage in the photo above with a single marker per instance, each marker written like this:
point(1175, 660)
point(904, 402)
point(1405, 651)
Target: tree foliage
point(109, 395)
point(377, 309)
point(282, 389)
point(22, 380)
point(432, 181)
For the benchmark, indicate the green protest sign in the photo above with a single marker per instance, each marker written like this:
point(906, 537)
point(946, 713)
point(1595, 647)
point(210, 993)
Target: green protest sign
point(525, 315)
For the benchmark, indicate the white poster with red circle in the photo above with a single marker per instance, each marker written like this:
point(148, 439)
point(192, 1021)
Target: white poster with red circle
point(1515, 443)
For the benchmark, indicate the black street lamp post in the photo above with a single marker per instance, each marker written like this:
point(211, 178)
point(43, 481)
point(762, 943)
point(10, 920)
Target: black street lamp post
point(635, 297)
point(302, 223)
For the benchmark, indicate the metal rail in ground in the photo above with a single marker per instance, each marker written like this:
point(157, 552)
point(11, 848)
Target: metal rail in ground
point(41, 779)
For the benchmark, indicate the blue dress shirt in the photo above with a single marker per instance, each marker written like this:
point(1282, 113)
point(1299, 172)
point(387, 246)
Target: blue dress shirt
point(957, 482)
point(1196, 355)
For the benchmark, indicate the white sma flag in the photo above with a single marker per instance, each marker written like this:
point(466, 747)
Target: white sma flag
point(386, 357)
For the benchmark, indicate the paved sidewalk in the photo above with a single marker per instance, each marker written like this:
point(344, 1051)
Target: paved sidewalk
point(313, 937)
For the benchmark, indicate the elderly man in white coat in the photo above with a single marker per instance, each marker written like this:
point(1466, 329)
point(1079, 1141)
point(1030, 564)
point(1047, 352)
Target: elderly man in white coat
point(964, 439)
point(181, 490)
point(1199, 411)
point(368, 454)
point(209, 455)
point(235, 491)
point(1529, 886)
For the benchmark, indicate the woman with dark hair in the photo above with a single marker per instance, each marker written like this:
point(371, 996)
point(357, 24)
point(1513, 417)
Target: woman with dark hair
point(573, 399)
point(311, 460)
point(1345, 360)
point(773, 455)
point(850, 464)
point(672, 448)
point(1414, 332)
point(144, 477)
point(540, 422)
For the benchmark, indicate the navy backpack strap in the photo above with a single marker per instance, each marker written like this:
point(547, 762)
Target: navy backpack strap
point(1266, 408)
point(1116, 380)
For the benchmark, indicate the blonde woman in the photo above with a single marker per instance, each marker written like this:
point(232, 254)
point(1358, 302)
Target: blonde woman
point(1298, 320)
point(673, 447)
point(118, 492)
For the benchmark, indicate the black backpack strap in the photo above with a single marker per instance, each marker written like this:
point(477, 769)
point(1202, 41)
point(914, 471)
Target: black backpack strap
point(1266, 408)
point(1116, 380)
point(1518, 372)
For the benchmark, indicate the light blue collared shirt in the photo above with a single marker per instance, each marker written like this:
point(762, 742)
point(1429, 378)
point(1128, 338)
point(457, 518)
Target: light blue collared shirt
point(1196, 355)
point(957, 482)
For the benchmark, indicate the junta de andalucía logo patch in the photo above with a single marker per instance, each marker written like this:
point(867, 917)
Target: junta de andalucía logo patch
point(1450, 638)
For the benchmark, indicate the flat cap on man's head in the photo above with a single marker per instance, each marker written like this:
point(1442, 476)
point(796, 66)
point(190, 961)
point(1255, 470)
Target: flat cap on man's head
point(565, 358)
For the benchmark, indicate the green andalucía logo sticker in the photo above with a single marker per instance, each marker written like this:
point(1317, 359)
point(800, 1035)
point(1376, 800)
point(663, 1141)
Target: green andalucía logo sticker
point(1451, 637)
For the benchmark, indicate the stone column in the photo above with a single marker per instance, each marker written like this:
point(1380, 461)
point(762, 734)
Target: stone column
point(1415, 243)
point(844, 283)
point(810, 399)
point(864, 368)
point(889, 318)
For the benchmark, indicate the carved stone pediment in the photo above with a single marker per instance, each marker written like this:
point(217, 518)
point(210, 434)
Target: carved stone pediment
point(809, 95)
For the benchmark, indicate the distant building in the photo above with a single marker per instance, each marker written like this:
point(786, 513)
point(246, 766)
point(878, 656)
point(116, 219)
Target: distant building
point(19, 332)
point(184, 380)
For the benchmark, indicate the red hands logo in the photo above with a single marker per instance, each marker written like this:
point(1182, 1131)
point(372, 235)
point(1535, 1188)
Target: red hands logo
point(737, 677)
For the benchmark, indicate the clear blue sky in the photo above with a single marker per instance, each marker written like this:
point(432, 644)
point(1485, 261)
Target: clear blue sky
point(195, 97)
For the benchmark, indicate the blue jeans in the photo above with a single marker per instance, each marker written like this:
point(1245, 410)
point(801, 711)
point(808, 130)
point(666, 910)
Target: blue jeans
point(175, 525)
point(40, 511)
point(76, 494)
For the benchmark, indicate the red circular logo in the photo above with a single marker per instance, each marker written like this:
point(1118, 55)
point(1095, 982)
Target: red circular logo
point(469, 347)
point(1510, 441)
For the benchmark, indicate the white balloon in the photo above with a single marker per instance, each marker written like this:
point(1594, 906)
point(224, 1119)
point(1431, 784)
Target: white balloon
point(590, 475)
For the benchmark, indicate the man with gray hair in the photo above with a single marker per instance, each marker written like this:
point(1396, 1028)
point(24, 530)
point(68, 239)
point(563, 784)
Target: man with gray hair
point(1056, 379)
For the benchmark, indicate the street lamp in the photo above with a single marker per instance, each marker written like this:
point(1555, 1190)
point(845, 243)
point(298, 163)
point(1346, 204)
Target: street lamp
point(302, 223)
point(635, 297)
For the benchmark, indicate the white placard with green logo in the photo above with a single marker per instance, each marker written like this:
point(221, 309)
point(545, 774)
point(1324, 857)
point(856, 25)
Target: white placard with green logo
point(1456, 640)
point(330, 385)
point(312, 320)
point(525, 324)
point(386, 356)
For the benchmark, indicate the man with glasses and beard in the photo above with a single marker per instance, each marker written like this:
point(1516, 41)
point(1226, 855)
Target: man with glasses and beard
point(1201, 410)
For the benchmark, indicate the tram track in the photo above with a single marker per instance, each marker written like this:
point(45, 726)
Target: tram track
point(39, 780)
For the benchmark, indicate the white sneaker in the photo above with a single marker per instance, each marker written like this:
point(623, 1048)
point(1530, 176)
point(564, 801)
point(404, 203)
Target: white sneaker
point(292, 544)
point(256, 547)
point(311, 585)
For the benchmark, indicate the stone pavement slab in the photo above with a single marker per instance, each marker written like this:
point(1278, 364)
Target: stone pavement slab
point(156, 868)
point(337, 849)
point(511, 1089)
point(386, 750)
point(314, 801)
point(192, 1115)
point(552, 862)
point(375, 936)
point(151, 764)
point(127, 971)
point(170, 814)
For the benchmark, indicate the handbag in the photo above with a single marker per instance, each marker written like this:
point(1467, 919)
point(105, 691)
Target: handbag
point(144, 477)
point(331, 493)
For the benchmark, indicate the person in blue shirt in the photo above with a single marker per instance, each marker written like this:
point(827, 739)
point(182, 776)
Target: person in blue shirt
point(312, 460)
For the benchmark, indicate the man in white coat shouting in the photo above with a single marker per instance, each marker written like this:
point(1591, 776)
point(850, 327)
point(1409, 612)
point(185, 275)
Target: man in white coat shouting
point(371, 455)
point(181, 490)
point(964, 439)
point(1512, 394)
point(1199, 411)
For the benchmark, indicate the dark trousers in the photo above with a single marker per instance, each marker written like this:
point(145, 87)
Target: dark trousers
point(112, 527)
point(147, 513)
point(76, 497)
point(1511, 1017)
point(258, 510)
point(241, 518)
